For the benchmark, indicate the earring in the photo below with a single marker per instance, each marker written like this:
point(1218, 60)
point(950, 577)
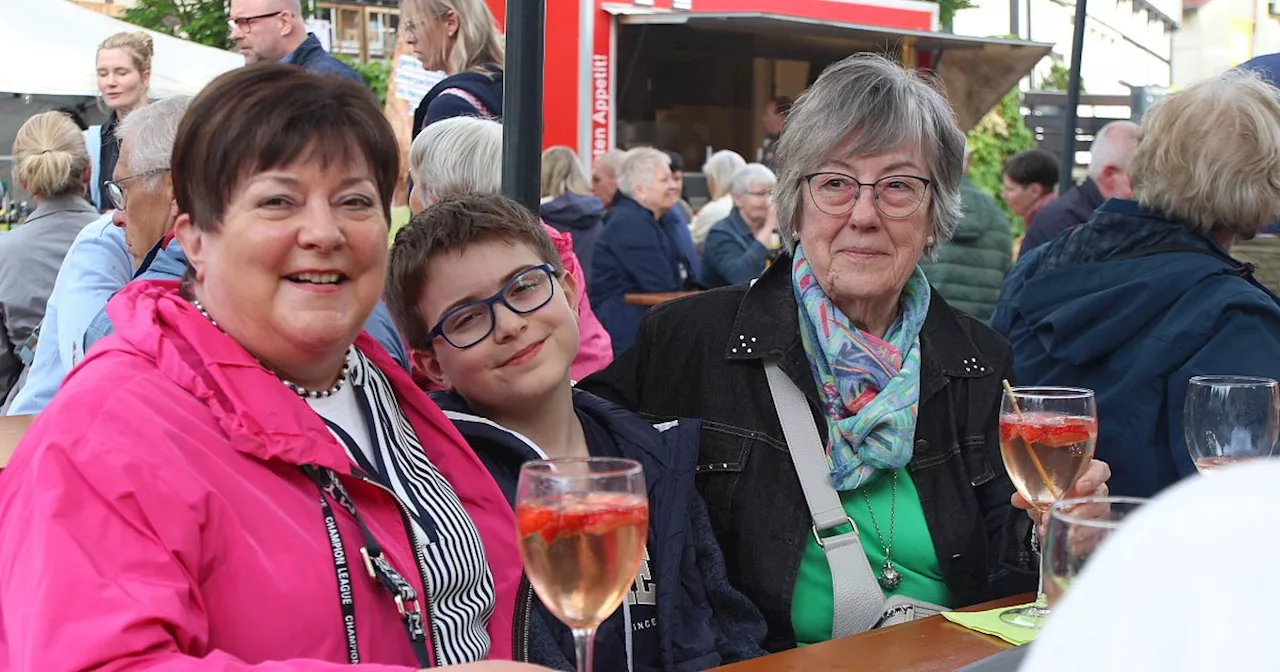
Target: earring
point(928, 240)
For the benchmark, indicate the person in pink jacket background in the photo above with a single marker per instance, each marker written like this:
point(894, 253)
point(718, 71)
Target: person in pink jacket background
point(463, 155)
point(224, 483)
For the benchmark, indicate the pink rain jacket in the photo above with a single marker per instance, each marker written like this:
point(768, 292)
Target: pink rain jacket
point(595, 348)
point(154, 516)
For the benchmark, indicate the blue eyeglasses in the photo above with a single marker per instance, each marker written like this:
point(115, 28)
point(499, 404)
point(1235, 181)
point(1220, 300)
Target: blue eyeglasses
point(471, 323)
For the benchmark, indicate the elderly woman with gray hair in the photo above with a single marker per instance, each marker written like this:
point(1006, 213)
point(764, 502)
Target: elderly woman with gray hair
point(719, 171)
point(849, 456)
point(1152, 283)
point(738, 246)
point(640, 251)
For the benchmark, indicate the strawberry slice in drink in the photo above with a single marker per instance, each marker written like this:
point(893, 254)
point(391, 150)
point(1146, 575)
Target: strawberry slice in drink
point(596, 516)
point(1053, 431)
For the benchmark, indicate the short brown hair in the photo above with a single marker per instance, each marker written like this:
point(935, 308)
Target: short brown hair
point(450, 225)
point(270, 115)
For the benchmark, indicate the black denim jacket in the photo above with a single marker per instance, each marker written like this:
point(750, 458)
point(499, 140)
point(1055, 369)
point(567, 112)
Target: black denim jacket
point(702, 357)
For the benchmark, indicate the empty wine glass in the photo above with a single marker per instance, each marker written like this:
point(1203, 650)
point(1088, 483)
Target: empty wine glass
point(1047, 437)
point(1230, 419)
point(1076, 529)
point(582, 524)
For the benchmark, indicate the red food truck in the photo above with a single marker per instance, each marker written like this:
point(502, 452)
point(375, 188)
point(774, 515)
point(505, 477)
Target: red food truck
point(694, 75)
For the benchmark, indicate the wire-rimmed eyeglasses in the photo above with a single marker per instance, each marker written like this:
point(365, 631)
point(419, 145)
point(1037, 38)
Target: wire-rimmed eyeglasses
point(115, 188)
point(895, 196)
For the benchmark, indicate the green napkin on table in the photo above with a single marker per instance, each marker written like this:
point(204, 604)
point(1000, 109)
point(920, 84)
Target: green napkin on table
point(989, 623)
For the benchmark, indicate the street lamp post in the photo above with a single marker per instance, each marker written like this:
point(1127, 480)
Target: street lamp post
point(1073, 102)
point(522, 103)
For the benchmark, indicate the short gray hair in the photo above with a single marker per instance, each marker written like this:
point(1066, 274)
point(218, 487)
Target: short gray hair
point(1209, 155)
point(611, 160)
point(751, 174)
point(1113, 146)
point(719, 170)
point(457, 156)
point(638, 168)
point(147, 135)
point(888, 107)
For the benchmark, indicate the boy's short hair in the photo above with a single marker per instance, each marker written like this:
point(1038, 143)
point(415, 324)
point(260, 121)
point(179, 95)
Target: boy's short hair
point(451, 225)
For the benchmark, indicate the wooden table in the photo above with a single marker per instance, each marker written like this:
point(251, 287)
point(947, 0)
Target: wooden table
point(654, 299)
point(11, 429)
point(933, 644)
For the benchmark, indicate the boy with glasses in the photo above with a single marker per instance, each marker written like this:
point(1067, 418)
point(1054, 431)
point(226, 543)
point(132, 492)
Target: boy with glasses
point(477, 288)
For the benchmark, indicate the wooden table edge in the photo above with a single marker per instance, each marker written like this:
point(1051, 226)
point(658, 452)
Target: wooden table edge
point(936, 623)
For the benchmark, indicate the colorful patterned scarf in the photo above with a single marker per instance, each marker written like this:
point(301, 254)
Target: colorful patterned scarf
point(870, 391)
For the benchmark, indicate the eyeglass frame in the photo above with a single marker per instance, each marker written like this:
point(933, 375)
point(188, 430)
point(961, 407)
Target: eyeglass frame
point(499, 297)
point(412, 25)
point(875, 193)
point(245, 23)
point(119, 186)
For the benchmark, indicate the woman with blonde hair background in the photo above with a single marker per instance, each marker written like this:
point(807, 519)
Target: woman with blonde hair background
point(459, 38)
point(50, 162)
point(124, 76)
point(1151, 284)
point(568, 204)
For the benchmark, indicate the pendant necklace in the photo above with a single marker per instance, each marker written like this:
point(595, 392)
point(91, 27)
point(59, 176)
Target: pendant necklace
point(889, 578)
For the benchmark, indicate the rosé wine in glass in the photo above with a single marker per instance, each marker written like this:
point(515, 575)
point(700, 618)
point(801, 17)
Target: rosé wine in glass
point(1047, 437)
point(582, 525)
point(1046, 453)
point(582, 552)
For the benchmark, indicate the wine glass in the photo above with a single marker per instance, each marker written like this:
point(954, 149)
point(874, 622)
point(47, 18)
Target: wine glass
point(1230, 419)
point(1076, 529)
point(582, 524)
point(1047, 436)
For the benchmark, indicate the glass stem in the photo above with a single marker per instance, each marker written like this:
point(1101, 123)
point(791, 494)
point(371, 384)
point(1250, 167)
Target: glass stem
point(1042, 600)
point(584, 641)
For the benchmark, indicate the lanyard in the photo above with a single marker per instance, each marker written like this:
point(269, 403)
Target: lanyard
point(406, 598)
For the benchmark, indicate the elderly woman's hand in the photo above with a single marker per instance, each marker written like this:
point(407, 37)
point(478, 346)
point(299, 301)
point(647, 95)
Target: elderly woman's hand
point(1092, 484)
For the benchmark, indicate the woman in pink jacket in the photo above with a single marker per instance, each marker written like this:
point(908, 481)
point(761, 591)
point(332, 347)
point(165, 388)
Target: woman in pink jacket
point(463, 155)
point(240, 479)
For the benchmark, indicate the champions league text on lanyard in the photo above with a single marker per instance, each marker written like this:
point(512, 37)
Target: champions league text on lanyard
point(406, 598)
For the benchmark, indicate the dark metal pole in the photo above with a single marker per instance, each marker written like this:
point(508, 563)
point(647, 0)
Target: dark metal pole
point(522, 103)
point(1073, 102)
point(1015, 23)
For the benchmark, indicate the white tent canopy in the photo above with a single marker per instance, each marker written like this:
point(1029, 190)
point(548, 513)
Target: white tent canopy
point(47, 47)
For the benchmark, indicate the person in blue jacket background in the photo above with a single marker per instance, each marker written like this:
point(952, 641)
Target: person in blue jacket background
point(639, 251)
point(503, 363)
point(738, 247)
point(1145, 295)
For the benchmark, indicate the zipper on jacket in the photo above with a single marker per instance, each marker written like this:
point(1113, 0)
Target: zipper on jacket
point(523, 614)
point(407, 522)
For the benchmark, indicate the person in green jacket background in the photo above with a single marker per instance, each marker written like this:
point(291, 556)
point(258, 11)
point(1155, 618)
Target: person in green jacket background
point(971, 267)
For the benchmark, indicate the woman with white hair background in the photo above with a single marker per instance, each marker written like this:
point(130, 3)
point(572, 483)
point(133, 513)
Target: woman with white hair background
point(638, 252)
point(739, 245)
point(463, 155)
point(1146, 294)
point(719, 171)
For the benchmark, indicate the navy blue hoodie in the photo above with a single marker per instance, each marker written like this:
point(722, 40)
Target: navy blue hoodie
point(581, 217)
point(484, 87)
point(1132, 305)
point(701, 621)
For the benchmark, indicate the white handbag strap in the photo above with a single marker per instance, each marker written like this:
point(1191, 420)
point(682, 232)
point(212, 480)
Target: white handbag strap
point(859, 602)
